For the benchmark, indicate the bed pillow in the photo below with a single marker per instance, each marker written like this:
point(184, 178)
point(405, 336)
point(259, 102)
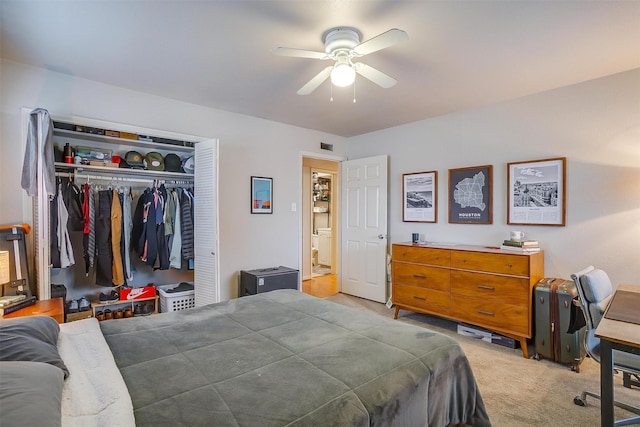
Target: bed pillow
point(30, 394)
point(31, 339)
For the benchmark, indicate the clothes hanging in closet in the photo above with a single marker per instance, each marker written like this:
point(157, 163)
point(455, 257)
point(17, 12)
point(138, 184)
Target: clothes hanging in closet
point(110, 233)
point(186, 222)
point(117, 270)
point(127, 225)
point(175, 252)
point(60, 242)
point(104, 256)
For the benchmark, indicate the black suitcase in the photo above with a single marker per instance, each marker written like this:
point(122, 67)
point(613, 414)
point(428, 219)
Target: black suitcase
point(267, 279)
point(553, 302)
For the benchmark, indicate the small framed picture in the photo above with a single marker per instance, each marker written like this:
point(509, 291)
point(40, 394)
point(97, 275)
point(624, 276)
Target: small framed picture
point(471, 195)
point(261, 195)
point(419, 197)
point(536, 192)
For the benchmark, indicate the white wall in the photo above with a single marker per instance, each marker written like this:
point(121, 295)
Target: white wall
point(248, 146)
point(595, 125)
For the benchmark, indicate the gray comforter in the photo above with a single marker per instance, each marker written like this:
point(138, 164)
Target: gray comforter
point(286, 358)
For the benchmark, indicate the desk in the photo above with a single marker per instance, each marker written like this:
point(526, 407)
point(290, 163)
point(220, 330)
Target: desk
point(618, 335)
point(48, 307)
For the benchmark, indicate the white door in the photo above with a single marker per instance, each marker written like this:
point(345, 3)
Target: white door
point(364, 227)
point(205, 223)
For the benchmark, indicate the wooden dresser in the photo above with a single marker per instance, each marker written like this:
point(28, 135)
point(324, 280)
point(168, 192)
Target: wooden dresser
point(479, 285)
point(48, 307)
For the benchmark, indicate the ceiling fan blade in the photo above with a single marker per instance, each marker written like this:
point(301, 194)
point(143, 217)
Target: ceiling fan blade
point(299, 53)
point(381, 41)
point(316, 81)
point(378, 77)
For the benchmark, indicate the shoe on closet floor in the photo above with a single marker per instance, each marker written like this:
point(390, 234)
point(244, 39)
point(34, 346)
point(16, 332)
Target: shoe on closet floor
point(72, 306)
point(84, 304)
point(147, 309)
point(110, 297)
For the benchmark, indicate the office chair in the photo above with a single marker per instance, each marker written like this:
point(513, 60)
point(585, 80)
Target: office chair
point(595, 292)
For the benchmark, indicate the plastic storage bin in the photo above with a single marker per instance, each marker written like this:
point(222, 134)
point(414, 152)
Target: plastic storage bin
point(175, 301)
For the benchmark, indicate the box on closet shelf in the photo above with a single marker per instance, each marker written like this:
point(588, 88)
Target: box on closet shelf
point(128, 294)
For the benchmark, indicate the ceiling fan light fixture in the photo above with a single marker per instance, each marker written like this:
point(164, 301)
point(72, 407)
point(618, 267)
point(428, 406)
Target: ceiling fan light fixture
point(343, 75)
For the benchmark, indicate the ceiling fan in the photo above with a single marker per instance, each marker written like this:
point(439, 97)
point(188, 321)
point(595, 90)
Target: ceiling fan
point(342, 45)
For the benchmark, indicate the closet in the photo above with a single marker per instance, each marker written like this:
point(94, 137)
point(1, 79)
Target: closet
point(92, 139)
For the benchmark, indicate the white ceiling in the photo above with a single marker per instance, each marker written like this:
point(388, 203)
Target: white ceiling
point(460, 54)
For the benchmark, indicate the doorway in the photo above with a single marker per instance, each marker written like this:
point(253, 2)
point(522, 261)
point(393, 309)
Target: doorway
point(321, 222)
point(320, 205)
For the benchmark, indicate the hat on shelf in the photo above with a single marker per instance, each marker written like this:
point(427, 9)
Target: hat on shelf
point(154, 161)
point(172, 163)
point(189, 164)
point(132, 160)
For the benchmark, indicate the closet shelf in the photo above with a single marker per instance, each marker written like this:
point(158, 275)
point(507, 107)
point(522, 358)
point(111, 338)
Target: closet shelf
point(73, 168)
point(187, 146)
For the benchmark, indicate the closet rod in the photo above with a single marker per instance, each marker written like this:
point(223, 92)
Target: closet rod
point(123, 178)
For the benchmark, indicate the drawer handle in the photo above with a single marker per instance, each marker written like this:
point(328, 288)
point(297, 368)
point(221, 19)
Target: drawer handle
point(419, 276)
point(486, 313)
point(419, 298)
point(437, 257)
point(509, 265)
point(488, 288)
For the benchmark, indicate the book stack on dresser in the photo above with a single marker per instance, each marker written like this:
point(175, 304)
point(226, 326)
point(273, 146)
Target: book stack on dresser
point(521, 245)
point(11, 303)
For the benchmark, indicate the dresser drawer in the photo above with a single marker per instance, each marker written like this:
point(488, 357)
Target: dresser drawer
point(421, 299)
point(517, 265)
point(510, 290)
point(492, 315)
point(422, 255)
point(421, 275)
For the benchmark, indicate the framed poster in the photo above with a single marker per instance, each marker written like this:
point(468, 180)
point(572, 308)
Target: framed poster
point(536, 192)
point(471, 195)
point(419, 197)
point(261, 195)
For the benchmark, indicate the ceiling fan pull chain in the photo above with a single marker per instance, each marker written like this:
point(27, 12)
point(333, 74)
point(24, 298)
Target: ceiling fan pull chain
point(354, 91)
point(331, 89)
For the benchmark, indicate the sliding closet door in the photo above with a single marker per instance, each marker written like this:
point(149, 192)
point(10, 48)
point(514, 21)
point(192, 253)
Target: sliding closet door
point(206, 223)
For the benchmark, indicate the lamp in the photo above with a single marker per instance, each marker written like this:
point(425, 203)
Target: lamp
point(343, 73)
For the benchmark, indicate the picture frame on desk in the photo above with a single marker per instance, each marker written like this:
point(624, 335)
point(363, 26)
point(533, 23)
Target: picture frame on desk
point(536, 192)
point(261, 195)
point(471, 195)
point(419, 197)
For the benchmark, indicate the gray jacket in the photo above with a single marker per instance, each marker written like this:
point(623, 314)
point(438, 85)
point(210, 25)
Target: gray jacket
point(40, 134)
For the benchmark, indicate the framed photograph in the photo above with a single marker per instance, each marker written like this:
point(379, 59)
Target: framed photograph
point(536, 192)
point(471, 195)
point(419, 197)
point(261, 195)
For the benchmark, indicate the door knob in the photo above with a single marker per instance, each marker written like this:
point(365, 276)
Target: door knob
point(382, 236)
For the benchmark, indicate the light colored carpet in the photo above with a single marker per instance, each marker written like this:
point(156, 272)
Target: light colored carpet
point(518, 391)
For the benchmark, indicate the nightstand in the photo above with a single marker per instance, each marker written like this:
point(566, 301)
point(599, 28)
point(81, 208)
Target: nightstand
point(48, 307)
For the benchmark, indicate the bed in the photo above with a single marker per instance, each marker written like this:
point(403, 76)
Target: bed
point(272, 359)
